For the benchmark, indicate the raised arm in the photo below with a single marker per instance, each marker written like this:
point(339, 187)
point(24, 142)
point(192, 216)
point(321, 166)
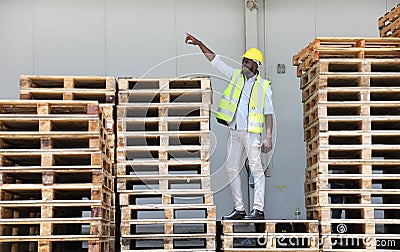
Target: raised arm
point(191, 40)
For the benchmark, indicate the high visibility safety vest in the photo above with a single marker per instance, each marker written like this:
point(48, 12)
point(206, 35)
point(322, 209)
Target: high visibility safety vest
point(230, 100)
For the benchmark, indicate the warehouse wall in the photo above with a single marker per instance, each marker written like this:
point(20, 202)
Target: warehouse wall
point(145, 39)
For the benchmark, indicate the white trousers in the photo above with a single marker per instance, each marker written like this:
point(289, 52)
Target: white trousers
point(240, 142)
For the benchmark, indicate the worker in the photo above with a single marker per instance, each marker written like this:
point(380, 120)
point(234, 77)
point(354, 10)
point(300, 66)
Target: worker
point(245, 107)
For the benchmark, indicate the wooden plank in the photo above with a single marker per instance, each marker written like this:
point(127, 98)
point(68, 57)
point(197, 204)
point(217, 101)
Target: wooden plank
point(131, 83)
point(175, 96)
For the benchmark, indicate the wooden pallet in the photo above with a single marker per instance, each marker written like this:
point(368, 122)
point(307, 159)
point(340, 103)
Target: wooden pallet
point(355, 197)
point(182, 153)
point(45, 158)
point(388, 20)
point(358, 108)
point(36, 140)
point(11, 193)
point(150, 227)
point(163, 138)
point(168, 212)
point(329, 115)
point(266, 235)
point(351, 181)
point(143, 124)
point(164, 96)
point(317, 167)
point(383, 212)
point(360, 152)
point(163, 182)
point(163, 110)
point(48, 176)
point(44, 119)
point(343, 43)
point(101, 89)
point(169, 242)
point(352, 80)
point(343, 138)
point(366, 123)
point(53, 227)
point(345, 66)
point(375, 166)
point(46, 245)
point(65, 108)
point(345, 48)
point(13, 214)
point(393, 14)
point(162, 168)
point(171, 197)
point(141, 84)
point(353, 94)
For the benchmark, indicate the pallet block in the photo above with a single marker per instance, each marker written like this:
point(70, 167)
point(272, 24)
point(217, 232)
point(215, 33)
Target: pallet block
point(265, 235)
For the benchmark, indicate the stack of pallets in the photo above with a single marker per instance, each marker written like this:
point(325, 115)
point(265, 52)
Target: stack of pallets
point(351, 97)
point(389, 24)
point(163, 164)
point(56, 183)
point(262, 235)
point(64, 131)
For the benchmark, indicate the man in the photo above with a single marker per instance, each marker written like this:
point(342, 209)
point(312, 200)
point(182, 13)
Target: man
point(244, 107)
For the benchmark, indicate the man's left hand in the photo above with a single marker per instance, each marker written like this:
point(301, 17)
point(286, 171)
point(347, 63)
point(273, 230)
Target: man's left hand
point(266, 145)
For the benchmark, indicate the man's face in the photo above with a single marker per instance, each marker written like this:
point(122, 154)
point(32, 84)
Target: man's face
point(249, 66)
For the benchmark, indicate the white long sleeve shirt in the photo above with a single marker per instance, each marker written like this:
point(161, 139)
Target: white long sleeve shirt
point(239, 121)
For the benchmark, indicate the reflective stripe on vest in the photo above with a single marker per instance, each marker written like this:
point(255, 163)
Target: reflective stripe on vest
point(229, 102)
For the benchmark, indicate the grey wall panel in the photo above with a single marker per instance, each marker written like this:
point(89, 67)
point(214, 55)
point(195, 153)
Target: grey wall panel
point(220, 25)
point(16, 43)
point(286, 35)
point(348, 18)
point(391, 4)
point(141, 38)
point(69, 37)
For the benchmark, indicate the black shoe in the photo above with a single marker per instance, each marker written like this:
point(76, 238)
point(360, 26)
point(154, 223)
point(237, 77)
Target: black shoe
point(255, 215)
point(235, 215)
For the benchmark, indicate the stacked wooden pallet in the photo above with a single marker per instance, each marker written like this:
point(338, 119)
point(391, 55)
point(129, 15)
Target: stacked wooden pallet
point(389, 24)
point(163, 164)
point(351, 128)
point(56, 183)
point(80, 88)
point(262, 235)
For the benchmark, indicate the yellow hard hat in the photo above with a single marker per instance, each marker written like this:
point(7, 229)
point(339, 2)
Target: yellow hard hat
point(254, 54)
